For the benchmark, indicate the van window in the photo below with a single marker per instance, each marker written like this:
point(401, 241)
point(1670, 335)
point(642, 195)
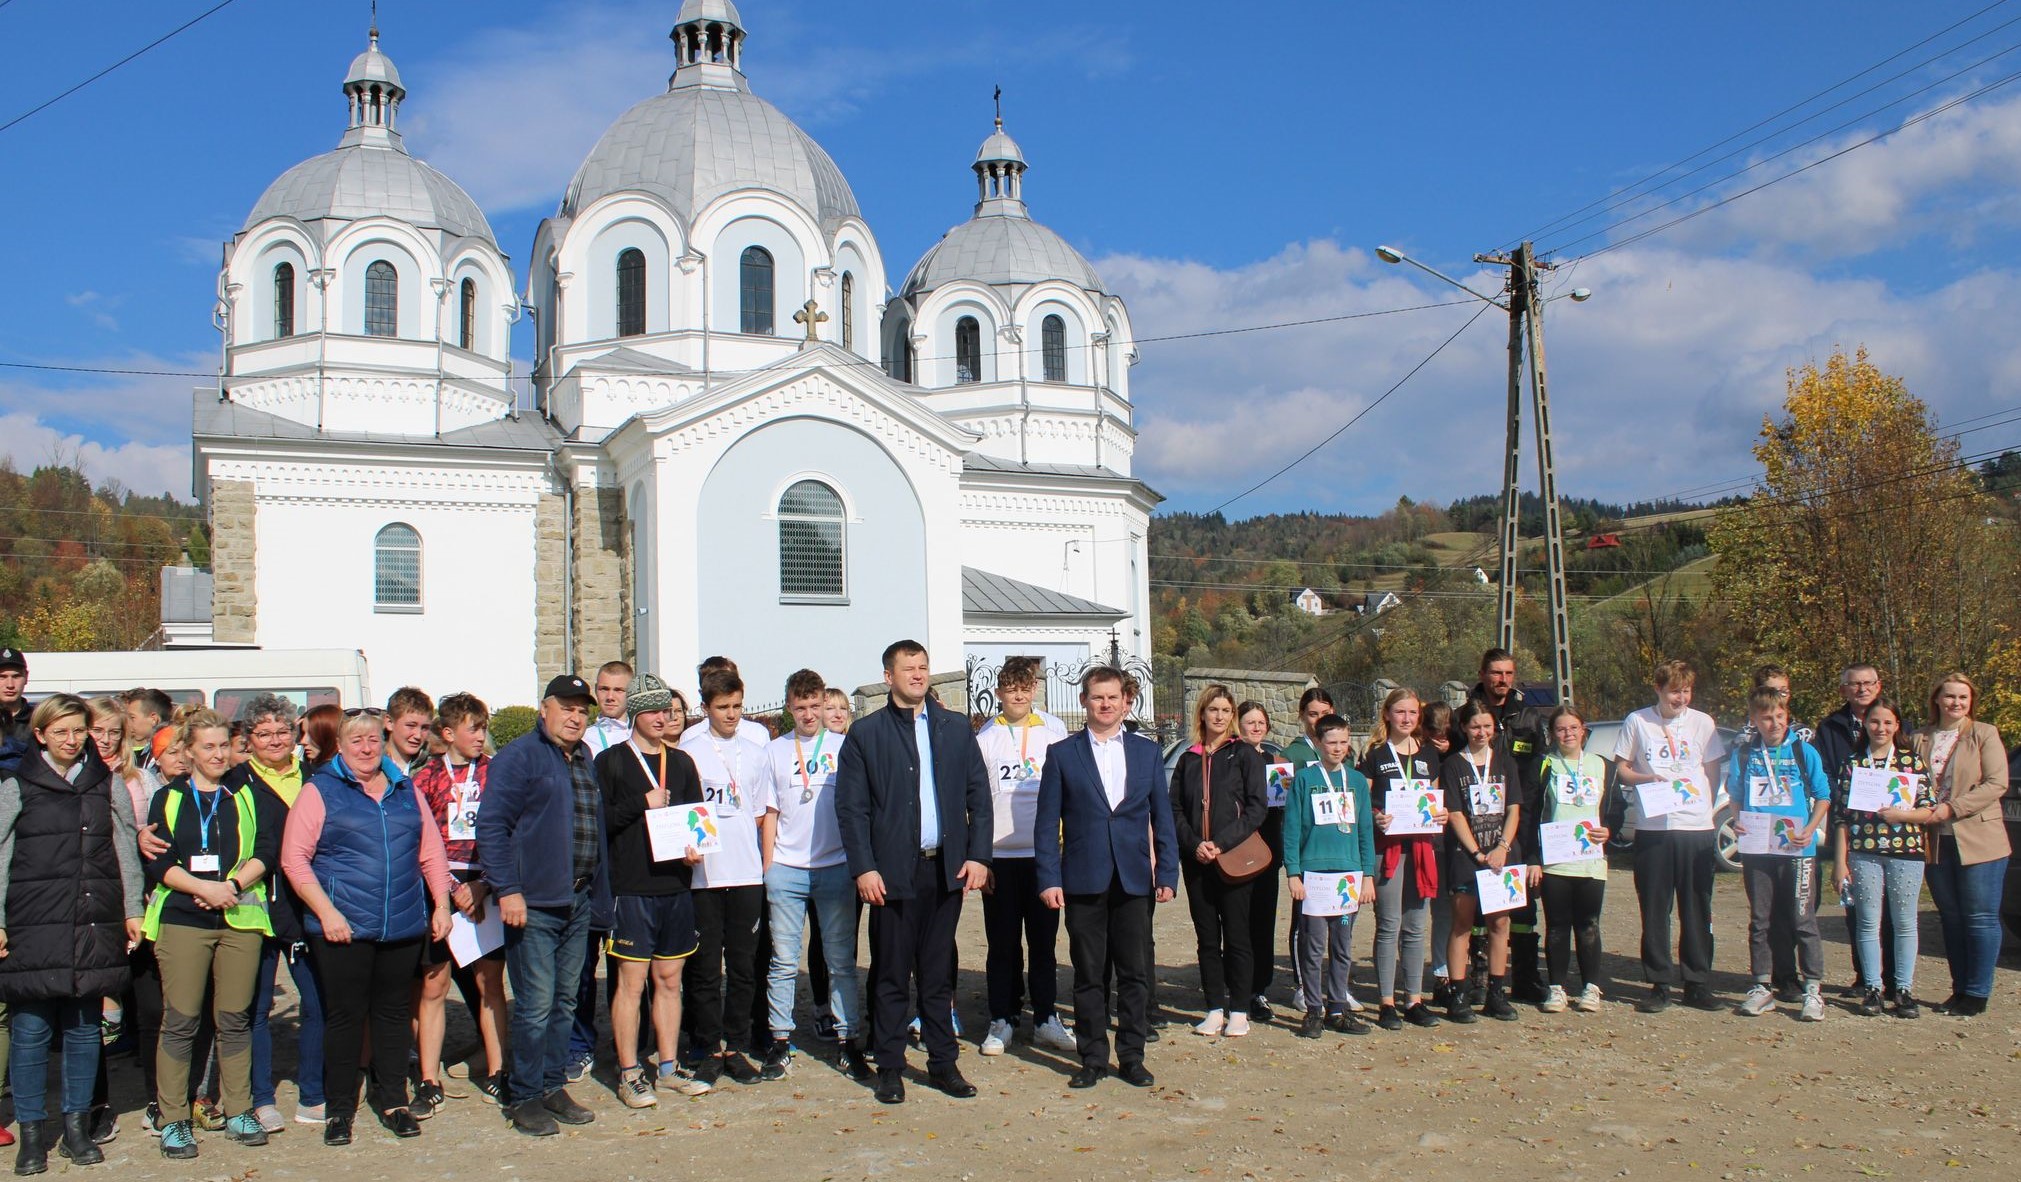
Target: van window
point(229, 702)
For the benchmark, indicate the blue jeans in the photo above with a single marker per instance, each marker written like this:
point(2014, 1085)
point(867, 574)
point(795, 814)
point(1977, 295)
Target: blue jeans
point(1893, 884)
point(582, 1027)
point(308, 1035)
point(1968, 906)
point(789, 891)
point(542, 962)
point(35, 1027)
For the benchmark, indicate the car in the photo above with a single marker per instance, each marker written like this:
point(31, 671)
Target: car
point(1602, 739)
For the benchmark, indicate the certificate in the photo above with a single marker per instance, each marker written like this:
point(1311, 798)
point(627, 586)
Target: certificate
point(468, 941)
point(1413, 810)
point(1877, 788)
point(1333, 808)
point(1766, 833)
point(1277, 779)
point(1570, 841)
point(1503, 890)
point(1660, 798)
point(672, 830)
point(1331, 894)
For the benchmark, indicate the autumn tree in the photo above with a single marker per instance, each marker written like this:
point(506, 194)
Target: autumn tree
point(1865, 540)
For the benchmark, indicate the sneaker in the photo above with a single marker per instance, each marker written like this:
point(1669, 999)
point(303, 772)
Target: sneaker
point(1347, 1022)
point(1420, 1015)
point(270, 1119)
point(1052, 1034)
point(1872, 1004)
point(245, 1128)
point(178, 1139)
point(1791, 991)
point(1498, 1006)
point(104, 1124)
point(739, 1069)
point(1589, 999)
point(490, 1085)
point(696, 1081)
point(855, 1064)
point(998, 1038)
point(1353, 1006)
point(150, 1119)
point(1814, 1004)
point(1698, 997)
point(428, 1100)
point(1214, 1023)
point(954, 1019)
point(1390, 1018)
point(1314, 1024)
point(1459, 1007)
point(1259, 1009)
point(209, 1117)
point(1759, 1000)
point(778, 1060)
point(1238, 1025)
point(305, 1114)
point(1555, 1001)
point(578, 1067)
point(635, 1089)
point(912, 1033)
point(1657, 1001)
point(824, 1027)
point(1905, 1005)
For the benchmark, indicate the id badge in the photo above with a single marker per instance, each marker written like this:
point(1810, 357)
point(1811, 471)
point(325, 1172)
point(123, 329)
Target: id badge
point(204, 864)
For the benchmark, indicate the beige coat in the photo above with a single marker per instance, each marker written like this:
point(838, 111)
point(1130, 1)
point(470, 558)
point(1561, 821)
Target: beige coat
point(1974, 780)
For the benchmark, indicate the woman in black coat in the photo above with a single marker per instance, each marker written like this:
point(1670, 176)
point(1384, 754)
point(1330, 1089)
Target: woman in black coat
point(70, 907)
point(1230, 772)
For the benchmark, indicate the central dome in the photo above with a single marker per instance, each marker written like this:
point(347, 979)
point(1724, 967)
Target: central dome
point(694, 144)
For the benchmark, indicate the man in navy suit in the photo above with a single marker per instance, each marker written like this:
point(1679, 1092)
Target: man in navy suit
point(1103, 799)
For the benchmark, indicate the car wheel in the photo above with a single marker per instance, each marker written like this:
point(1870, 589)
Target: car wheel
point(1726, 843)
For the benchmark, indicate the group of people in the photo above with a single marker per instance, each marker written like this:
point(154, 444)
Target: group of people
point(167, 863)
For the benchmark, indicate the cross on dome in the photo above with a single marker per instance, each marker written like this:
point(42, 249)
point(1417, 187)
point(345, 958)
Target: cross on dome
point(1000, 172)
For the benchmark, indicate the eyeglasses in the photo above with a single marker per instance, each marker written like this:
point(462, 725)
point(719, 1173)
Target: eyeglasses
point(272, 732)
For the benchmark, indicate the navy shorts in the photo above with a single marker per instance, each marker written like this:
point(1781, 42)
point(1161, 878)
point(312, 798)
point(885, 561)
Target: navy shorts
point(654, 927)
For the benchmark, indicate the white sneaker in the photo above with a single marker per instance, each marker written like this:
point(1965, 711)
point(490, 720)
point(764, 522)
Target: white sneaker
point(1353, 1006)
point(1555, 1001)
point(270, 1118)
point(1589, 999)
point(1238, 1025)
point(1813, 1004)
point(308, 1114)
point(1052, 1035)
point(1213, 1023)
point(998, 1038)
point(1759, 1001)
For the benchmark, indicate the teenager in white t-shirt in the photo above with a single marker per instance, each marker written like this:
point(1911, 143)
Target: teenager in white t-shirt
point(1669, 759)
point(1021, 930)
point(809, 870)
point(729, 884)
point(612, 724)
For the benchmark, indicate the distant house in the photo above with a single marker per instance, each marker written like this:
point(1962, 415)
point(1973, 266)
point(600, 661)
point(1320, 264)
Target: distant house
point(1374, 603)
point(1481, 576)
point(1603, 542)
point(1310, 602)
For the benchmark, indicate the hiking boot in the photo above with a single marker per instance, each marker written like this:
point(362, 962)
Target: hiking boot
point(1498, 1006)
point(178, 1140)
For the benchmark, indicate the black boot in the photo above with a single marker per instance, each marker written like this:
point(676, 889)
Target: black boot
point(33, 1155)
point(1498, 1006)
point(1459, 1006)
point(77, 1144)
point(1526, 982)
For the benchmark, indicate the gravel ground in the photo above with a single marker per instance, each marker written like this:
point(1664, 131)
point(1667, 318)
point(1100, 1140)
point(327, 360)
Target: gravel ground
point(1613, 1094)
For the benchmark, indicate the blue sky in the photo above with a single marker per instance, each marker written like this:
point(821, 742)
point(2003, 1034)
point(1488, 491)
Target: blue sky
point(1222, 165)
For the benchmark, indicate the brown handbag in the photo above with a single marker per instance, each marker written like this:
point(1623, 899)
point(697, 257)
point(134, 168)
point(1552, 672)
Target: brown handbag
point(1249, 858)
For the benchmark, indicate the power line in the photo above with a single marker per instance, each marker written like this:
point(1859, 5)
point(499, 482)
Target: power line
point(48, 103)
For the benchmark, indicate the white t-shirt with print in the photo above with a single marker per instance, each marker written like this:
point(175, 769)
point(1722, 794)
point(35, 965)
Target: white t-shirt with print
point(1016, 756)
point(1677, 748)
point(800, 785)
point(699, 731)
point(734, 783)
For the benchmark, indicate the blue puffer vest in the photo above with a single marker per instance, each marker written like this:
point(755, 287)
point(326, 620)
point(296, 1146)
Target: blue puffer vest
point(368, 859)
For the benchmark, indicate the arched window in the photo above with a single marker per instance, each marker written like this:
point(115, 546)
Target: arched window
point(466, 314)
point(284, 301)
point(631, 292)
point(396, 569)
point(810, 542)
point(754, 291)
point(1053, 347)
point(848, 311)
point(382, 300)
point(967, 350)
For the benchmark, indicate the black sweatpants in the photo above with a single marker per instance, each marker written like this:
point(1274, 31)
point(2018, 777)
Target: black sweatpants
point(1023, 934)
point(912, 944)
point(368, 989)
point(1221, 926)
point(1572, 912)
point(719, 976)
point(1263, 892)
point(1675, 869)
point(1106, 931)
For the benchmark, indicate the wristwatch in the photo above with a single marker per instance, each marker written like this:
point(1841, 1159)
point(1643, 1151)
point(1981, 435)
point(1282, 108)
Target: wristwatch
point(233, 882)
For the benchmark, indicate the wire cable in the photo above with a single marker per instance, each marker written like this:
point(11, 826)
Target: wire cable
point(158, 41)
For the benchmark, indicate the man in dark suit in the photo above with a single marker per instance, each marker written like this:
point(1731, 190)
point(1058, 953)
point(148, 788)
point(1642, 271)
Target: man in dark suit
point(912, 798)
point(1103, 797)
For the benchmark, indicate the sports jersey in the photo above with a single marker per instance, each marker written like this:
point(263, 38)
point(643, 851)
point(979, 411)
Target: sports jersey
point(1016, 755)
point(734, 785)
point(800, 785)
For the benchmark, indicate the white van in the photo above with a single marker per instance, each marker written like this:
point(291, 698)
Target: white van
point(220, 678)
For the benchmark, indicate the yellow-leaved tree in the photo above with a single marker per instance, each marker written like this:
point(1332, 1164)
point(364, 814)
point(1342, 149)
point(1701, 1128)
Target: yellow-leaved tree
point(1865, 541)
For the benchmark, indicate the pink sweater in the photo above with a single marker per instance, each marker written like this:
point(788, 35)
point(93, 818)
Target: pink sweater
point(305, 829)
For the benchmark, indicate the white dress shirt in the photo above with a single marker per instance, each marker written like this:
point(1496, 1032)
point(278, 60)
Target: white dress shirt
point(1109, 761)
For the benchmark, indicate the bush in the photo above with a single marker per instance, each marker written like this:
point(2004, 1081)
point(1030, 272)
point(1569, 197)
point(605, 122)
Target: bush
point(510, 722)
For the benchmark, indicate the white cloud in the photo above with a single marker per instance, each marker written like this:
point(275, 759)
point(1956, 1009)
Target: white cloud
point(142, 467)
point(130, 427)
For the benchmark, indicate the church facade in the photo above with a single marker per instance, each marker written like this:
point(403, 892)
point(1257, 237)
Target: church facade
point(740, 438)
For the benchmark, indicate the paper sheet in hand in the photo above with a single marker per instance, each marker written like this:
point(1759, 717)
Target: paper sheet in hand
point(1663, 797)
point(1877, 788)
point(1331, 894)
point(1766, 833)
point(468, 941)
point(1277, 778)
point(1570, 841)
point(1502, 890)
point(672, 830)
point(1413, 810)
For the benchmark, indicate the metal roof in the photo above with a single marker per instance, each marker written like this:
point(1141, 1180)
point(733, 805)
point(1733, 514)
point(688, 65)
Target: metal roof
point(1001, 248)
point(528, 432)
point(978, 462)
point(367, 180)
point(709, 10)
point(987, 594)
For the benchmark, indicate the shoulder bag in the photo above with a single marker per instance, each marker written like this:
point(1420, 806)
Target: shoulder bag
point(1249, 858)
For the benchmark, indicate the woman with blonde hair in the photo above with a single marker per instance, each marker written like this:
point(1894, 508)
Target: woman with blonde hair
point(1407, 876)
point(1968, 858)
point(1217, 803)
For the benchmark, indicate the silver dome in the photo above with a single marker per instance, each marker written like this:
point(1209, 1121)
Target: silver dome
point(693, 144)
point(364, 181)
point(709, 10)
point(1001, 249)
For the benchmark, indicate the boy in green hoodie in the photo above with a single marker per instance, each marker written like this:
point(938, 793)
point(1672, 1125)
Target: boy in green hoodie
point(1329, 828)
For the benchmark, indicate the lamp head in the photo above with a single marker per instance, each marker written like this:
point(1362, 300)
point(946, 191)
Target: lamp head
point(1389, 254)
point(1581, 294)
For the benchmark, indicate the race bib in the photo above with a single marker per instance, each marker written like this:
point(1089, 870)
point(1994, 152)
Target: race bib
point(1580, 790)
point(1487, 799)
point(1332, 808)
point(725, 795)
point(1763, 793)
point(463, 802)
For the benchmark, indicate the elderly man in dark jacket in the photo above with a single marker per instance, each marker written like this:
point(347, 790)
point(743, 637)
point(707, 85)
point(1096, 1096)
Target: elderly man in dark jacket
point(912, 797)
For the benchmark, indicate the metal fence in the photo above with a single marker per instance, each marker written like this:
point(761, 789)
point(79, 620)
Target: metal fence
point(1152, 713)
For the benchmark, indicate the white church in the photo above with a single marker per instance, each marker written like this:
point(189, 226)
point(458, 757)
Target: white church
point(740, 437)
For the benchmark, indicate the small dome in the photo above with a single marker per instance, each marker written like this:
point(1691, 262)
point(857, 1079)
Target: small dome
point(999, 147)
point(997, 250)
point(362, 181)
point(372, 66)
point(721, 11)
point(693, 144)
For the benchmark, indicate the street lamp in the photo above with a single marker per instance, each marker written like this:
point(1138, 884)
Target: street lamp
point(1391, 255)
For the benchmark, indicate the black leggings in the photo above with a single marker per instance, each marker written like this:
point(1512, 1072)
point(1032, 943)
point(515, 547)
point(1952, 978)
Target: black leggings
point(368, 993)
point(1572, 908)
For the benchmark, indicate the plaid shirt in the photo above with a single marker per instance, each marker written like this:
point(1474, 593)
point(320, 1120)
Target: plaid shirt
point(585, 846)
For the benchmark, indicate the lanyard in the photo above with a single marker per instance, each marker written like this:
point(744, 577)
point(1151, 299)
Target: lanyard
point(1480, 776)
point(730, 763)
point(204, 817)
point(807, 781)
point(1326, 779)
point(1403, 770)
point(460, 787)
point(661, 780)
point(1768, 766)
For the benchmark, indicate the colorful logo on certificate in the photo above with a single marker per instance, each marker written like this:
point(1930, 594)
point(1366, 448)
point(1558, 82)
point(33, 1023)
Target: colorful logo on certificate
point(1899, 795)
point(1512, 886)
point(1687, 792)
point(1783, 832)
point(1583, 834)
point(701, 827)
point(1343, 890)
point(1427, 812)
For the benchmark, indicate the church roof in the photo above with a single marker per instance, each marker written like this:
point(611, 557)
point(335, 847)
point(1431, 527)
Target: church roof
point(1001, 249)
point(362, 181)
point(979, 462)
point(227, 419)
point(986, 594)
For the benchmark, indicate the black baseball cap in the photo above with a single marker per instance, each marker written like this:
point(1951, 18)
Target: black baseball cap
point(568, 685)
point(11, 658)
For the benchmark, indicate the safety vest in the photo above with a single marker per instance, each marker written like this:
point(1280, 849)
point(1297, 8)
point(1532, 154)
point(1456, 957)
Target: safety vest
point(243, 915)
